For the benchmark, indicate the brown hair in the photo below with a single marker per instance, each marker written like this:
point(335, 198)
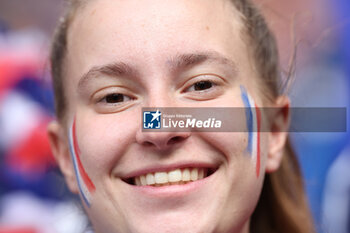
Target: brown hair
point(282, 206)
point(58, 53)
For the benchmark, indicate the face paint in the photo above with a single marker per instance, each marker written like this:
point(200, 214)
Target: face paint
point(253, 117)
point(86, 187)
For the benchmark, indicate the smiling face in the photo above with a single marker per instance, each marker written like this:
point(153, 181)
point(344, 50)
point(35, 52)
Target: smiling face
point(125, 55)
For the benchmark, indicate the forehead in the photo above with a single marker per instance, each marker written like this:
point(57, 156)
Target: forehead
point(150, 15)
point(150, 22)
point(140, 31)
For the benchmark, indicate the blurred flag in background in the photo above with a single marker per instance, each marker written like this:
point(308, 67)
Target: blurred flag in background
point(33, 195)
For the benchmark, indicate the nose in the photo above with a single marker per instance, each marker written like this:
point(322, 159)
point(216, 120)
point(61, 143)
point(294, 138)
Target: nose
point(161, 140)
point(159, 97)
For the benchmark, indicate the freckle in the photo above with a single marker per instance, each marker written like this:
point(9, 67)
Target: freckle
point(93, 12)
point(207, 27)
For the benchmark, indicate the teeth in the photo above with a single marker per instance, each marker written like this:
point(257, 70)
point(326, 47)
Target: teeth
point(161, 177)
point(177, 176)
point(143, 180)
point(194, 174)
point(186, 175)
point(150, 179)
point(137, 181)
point(201, 174)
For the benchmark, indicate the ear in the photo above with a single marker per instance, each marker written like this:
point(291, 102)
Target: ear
point(60, 149)
point(279, 124)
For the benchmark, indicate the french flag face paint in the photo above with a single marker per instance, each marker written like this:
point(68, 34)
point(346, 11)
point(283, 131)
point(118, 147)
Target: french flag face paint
point(253, 116)
point(86, 187)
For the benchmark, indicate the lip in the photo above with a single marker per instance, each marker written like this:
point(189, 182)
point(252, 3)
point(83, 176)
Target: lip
point(167, 168)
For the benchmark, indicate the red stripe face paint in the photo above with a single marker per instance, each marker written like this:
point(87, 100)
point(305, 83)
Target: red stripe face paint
point(86, 187)
point(258, 121)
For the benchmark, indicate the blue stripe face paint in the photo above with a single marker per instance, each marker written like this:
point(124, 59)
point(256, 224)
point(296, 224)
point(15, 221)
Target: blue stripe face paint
point(249, 118)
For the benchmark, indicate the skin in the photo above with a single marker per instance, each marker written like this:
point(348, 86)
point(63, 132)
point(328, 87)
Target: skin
point(149, 36)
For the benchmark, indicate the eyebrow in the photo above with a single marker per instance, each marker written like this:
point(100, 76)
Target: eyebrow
point(113, 69)
point(184, 61)
point(178, 62)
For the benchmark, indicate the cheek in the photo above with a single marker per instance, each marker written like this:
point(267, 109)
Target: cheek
point(105, 138)
point(85, 185)
point(232, 145)
point(239, 163)
point(240, 186)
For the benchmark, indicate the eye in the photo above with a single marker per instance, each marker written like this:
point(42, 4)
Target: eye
point(201, 86)
point(115, 98)
point(204, 87)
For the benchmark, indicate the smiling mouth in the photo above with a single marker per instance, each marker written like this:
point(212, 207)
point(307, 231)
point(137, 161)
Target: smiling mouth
point(174, 177)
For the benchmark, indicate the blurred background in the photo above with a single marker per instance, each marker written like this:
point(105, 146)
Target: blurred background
point(313, 38)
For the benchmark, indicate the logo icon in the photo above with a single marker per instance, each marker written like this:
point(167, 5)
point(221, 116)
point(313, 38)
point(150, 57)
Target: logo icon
point(151, 119)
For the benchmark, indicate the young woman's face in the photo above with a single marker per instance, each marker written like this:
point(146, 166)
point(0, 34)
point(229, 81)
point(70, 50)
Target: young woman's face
point(125, 55)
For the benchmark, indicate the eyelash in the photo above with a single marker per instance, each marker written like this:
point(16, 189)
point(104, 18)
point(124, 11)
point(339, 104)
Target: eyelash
point(111, 95)
point(204, 87)
point(202, 82)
